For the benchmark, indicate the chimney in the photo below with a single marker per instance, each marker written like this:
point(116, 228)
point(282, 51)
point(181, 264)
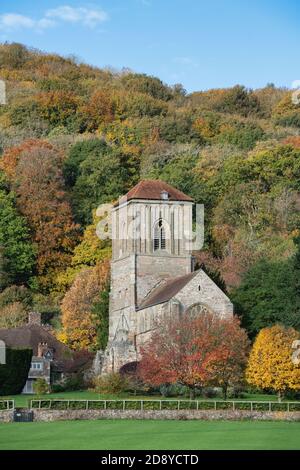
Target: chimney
point(34, 318)
point(42, 349)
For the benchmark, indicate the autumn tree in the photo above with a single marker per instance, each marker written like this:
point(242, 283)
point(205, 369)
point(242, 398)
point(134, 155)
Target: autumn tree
point(42, 200)
point(90, 251)
point(99, 110)
point(270, 365)
point(195, 352)
point(79, 329)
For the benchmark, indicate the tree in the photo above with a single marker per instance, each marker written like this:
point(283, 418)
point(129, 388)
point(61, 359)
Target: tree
point(89, 252)
point(42, 200)
point(99, 110)
point(195, 352)
point(229, 367)
point(104, 175)
point(239, 100)
point(270, 365)
point(40, 386)
point(269, 294)
point(79, 329)
point(17, 254)
point(143, 83)
point(14, 373)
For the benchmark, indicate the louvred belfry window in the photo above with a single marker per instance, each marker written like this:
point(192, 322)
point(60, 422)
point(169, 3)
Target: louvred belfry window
point(159, 236)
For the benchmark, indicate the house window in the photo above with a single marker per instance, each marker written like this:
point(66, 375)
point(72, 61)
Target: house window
point(37, 365)
point(159, 242)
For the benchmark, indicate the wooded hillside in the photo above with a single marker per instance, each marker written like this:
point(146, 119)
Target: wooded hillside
point(73, 136)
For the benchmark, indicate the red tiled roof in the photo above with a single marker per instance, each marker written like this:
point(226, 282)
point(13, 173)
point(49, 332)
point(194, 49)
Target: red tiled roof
point(168, 290)
point(152, 189)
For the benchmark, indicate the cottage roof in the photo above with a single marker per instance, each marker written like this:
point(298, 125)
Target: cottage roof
point(29, 336)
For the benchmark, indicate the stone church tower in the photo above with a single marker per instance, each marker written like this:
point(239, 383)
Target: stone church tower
point(152, 271)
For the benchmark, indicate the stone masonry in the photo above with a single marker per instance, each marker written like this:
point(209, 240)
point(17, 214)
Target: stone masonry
point(152, 273)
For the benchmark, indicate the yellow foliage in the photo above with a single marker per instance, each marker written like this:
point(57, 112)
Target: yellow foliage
point(78, 325)
point(270, 363)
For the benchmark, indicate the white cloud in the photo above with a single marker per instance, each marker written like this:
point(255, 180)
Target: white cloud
point(185, 61)
point(13, 21)
point(89, 17)
point(81, 15)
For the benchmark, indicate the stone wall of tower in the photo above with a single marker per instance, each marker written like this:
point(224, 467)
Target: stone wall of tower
point(122, 292)
point(152, 269)
point(133, 227)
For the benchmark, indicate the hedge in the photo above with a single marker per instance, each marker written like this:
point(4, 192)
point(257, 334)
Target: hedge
point(14, 373)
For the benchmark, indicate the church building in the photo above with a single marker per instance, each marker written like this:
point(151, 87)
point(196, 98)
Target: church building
point(152, 270)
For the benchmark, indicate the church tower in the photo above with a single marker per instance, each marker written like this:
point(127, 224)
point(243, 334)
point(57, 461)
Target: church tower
point(151, 231)
point(152, 274)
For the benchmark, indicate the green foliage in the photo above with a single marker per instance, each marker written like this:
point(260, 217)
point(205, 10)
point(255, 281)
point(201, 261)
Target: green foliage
point(110, 383)
point(143, 83)
point(239, 100)
point(242, 135)
point(16, 294)
point(17, 251)
point(103, 173)
point(14, 373)
point(13, 55)
point(40, 386)
point(269, 294)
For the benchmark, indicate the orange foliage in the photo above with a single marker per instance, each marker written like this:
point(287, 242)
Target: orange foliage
point(41, 199)
point(11, 156)
point(99, 110)
point(195, 351)
point(293, 140)
point(78, 325)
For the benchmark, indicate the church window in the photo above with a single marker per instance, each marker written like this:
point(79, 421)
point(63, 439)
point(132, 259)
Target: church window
point(159, 236)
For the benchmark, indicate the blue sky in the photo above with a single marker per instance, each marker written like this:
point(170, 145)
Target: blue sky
point(201, 44)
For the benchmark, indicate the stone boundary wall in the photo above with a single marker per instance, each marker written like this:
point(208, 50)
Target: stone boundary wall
point(6, 416)
point(209, 415)
point(54, 415)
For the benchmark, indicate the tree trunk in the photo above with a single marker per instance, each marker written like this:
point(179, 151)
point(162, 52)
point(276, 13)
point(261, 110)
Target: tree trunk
point(280, 395)
point(192, 393)
point(225, 392)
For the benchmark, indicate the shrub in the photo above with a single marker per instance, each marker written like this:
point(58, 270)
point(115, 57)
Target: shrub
point(74, 382)
point(237, 392)
point(210, 392)
point(113, 383)
point(14, 373)
point(40, 386)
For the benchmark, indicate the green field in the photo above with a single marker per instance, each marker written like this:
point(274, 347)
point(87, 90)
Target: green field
point(22, 400)
point(164, 435)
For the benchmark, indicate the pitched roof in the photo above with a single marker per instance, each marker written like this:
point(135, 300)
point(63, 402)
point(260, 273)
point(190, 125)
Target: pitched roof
point(152, 189)
point(29, 336)
point(168, 290)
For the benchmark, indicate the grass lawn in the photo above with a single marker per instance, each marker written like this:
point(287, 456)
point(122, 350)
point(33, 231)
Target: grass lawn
point(147, 435)
point(22, 400)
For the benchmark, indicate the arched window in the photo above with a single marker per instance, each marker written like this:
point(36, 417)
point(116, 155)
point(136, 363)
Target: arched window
point(159, 239)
